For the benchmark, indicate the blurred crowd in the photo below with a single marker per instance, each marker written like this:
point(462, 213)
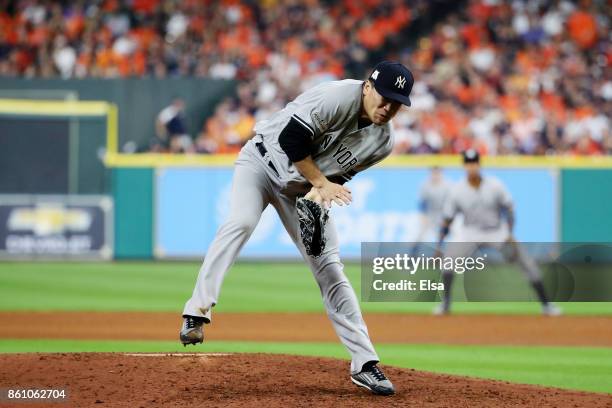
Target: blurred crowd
point(231, 39)
point(527, 77)
point(521, 77)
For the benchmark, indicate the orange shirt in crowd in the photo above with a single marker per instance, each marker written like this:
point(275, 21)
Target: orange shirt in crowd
point(583, 112)
point(450, 122)
point(74, 26)
point(139, 63)
point(469, 95)
point(510, 105)
point(473, 35)
point(400, 17)
point(553, 103)
point(370, 37)
point(583, 28)
point(104, 58)
point(145, 6)
point(587, 146)
point(124, 65)
point(23, 59)
point(144, 36)
point(38, 36)
point(480, 11)
point(84, 59)
point(256, 56)
point(110, 5)
point(7, 26)
point(354, 8)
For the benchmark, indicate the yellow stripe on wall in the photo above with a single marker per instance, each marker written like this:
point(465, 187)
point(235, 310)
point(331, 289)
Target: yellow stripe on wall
point(169, 160)
point(53, 107)
point(513, 161)
point(408, 161)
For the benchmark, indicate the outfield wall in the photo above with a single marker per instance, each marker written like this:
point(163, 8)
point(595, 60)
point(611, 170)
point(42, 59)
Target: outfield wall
point(586, 195)
point(133, 194)
point(173, 212)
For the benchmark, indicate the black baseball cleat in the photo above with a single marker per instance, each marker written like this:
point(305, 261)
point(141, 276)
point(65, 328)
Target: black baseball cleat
point(372, 378)
point(191, 332)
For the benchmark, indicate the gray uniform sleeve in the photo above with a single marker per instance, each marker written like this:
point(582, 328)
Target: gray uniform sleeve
point(317, 110)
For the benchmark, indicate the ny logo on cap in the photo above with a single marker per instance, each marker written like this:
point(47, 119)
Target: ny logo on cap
point(400, 81)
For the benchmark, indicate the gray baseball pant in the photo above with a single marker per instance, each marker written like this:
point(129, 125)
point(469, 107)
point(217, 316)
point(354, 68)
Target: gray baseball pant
point(511, 252)
point(254, 187)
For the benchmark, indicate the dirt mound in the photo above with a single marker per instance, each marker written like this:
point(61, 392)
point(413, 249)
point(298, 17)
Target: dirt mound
point(193, 380)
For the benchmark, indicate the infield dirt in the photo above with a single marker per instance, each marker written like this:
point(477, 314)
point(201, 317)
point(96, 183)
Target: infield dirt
point(128, 380)
point(315, 327)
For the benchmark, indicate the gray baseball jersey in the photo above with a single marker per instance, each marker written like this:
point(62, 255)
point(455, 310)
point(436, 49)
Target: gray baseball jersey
point(432, 199)
point(482, 208)
point(330, 112)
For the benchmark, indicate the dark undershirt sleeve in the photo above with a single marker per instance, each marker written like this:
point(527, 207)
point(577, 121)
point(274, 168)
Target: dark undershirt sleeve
point(296, 140)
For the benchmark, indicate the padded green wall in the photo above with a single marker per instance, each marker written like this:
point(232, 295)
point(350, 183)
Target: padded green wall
point(133, 192)
point(586, 205)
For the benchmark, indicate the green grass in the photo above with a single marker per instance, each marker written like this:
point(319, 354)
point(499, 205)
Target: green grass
point(580, 368)
point(165, 286)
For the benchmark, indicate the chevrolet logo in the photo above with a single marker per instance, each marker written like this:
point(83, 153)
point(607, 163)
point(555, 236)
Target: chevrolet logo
point(49, 219)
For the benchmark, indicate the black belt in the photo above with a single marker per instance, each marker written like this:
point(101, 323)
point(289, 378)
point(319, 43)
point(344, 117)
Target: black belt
point(264, 153)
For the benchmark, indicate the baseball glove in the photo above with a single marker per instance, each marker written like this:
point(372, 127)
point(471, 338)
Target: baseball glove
point(313, 218)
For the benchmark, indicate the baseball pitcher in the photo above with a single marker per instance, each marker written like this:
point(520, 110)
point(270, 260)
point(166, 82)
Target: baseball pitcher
point(298, 162)
point(485, 203)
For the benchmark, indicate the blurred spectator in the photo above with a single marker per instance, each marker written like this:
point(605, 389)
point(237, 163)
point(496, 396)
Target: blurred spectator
point(171, 130)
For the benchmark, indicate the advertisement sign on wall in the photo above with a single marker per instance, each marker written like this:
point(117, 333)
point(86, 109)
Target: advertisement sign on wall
point(191, 203)
point(55, 227)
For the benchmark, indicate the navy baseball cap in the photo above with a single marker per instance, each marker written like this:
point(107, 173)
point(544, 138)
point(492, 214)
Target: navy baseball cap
point(471, 156)
point(393, 81)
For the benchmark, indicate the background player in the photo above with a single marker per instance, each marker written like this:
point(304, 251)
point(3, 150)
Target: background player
point(484, 202)
point(433, 193)
point(315, 144)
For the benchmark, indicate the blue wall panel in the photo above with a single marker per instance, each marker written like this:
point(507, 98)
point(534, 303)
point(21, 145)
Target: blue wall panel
point(192, 202)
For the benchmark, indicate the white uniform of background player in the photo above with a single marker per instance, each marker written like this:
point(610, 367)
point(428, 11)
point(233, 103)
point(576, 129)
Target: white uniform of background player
point(485, 204)
point(315, 144)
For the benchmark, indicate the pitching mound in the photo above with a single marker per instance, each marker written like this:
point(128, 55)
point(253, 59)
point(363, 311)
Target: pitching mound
point(194, 380)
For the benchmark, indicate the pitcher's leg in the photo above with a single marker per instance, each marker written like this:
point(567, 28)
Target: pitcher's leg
point(249, 197)
point(338, 295)
point(343, 308)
